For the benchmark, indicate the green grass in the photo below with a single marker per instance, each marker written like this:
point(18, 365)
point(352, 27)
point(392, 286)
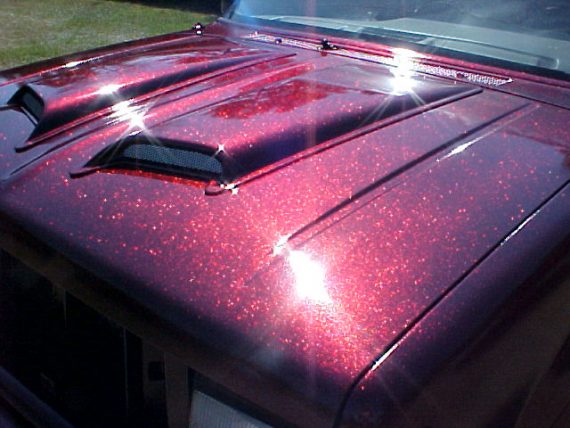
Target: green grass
point(31, 30)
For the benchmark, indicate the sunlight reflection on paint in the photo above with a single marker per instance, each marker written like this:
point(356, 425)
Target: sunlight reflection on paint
point(405, 58)
point(108, 89)
point(281, 245)
point(72, 64)
point(309, 277)
point(460, 149)
point(403, 71)
point(384, 357)
point(124, 111)
point(402, 84)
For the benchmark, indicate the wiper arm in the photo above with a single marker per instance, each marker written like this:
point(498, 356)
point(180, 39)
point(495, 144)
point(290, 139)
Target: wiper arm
point(349, 25)
point(389, 30)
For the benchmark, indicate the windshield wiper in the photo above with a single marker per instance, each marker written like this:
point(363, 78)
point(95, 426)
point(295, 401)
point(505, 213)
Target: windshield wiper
point(427, 39)
point(474, 41)
point(345, 25)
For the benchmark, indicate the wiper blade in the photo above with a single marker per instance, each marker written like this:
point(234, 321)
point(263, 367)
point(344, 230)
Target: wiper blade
point(483, 48)
point(427, 37)
point(349, 25)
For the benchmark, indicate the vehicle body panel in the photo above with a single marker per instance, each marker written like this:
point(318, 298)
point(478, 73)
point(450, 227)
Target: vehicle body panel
point(512, 307)
point(384, 198)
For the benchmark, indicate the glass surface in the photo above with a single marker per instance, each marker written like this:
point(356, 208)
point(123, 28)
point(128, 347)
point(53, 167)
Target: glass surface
point(522, 34)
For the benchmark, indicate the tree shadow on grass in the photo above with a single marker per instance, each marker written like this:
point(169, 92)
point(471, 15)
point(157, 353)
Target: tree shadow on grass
point(201, 6)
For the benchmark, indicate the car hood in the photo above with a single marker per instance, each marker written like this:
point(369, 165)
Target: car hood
point(346, 197)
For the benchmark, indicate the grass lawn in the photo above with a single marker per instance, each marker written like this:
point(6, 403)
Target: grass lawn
point(32, 30)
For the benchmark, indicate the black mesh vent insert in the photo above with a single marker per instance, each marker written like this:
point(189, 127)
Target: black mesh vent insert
point(173, 157)
point(29, 102)
point(165, 157)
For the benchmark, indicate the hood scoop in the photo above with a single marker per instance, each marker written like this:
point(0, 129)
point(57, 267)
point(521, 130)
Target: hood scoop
point(19, 118)
point(270, 126)
point(74, 93)
point(29, 102)
point(267, 126)
point(143, 153)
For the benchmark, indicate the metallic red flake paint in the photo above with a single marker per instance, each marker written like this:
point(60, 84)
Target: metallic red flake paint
point(361, 202)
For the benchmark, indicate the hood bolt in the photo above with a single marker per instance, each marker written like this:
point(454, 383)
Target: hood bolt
point(327, 46)
point(199, 28)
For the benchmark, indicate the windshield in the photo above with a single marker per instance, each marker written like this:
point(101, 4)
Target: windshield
point(522, 34)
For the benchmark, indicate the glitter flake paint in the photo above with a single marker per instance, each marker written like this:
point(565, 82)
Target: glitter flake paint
point(365, 191)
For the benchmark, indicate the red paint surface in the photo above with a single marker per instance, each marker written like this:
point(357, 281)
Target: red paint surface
point(389, 202)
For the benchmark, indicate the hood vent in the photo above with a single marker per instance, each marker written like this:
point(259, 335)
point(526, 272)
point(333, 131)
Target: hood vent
point(164, 157)
point(27, 100)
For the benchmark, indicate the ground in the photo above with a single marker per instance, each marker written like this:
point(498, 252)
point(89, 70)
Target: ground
point(32, 30)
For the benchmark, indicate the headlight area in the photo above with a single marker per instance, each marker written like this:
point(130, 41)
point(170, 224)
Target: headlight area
point(208, 410)
point(94, 373)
